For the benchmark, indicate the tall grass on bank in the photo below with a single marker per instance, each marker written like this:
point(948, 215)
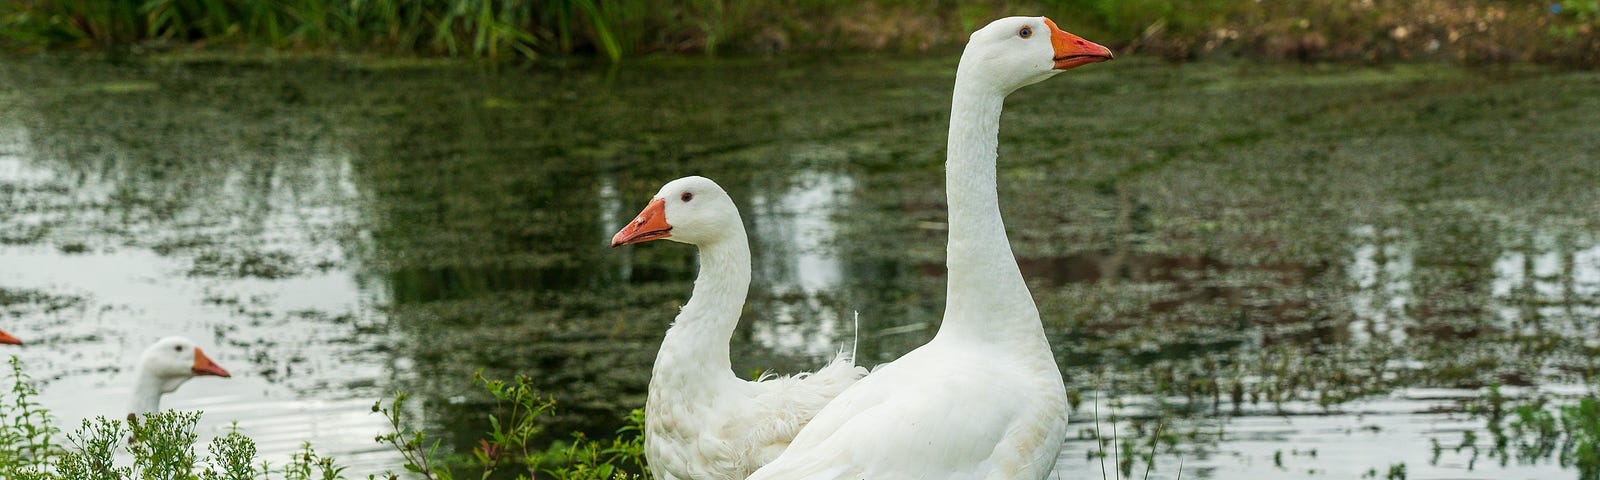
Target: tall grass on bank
point(476, 28)
point(1466, 31)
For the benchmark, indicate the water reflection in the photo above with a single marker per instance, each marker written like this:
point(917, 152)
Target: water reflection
point(134, 264)
point(1217, 258)
point(798, 264)
point(1381, 272)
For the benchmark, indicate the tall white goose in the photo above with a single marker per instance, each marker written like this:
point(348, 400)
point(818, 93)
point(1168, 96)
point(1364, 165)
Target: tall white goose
point(702, 421)
point(983, 399)
point(164, 367)
point(7, 339)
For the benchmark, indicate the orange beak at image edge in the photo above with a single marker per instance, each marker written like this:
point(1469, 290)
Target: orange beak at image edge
point(1073, 51)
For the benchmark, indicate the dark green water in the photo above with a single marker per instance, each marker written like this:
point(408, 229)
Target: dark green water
point(1306, 271)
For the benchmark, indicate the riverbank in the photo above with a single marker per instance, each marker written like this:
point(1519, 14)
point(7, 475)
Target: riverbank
point(1565, 32)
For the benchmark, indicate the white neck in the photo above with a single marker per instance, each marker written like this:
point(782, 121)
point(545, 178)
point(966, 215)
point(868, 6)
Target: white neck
point(986, 297)
point(147, 391)
point(695, 349)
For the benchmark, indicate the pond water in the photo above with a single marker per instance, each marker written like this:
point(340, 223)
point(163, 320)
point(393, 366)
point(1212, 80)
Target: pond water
point(1276, 271)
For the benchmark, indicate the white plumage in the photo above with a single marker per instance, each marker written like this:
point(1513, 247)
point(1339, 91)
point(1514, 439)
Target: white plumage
point(702, 421)
point(984, 399)
point(165, 366)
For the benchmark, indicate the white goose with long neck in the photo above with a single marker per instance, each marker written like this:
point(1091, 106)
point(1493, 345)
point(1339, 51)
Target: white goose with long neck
point(984, 399)
point(164, 367)
point(701, 420)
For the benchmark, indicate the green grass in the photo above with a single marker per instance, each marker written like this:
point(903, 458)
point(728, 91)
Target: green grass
point(162, 445)
point(1474, 31)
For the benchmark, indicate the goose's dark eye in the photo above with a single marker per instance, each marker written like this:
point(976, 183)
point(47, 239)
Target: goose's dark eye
point(1025, 32)
point(177, 348)
point(687, 196)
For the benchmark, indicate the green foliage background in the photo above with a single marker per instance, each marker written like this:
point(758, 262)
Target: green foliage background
point(1472, 31)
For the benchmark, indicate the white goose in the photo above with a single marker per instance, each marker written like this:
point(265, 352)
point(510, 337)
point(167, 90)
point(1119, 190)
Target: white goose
point(983, 399)
point(702, 421)
point(164, 367)
point(7, 339)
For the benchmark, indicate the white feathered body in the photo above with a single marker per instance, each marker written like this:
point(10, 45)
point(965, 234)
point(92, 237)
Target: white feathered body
point(731, 428)
point(903, 422)
point(701, 421)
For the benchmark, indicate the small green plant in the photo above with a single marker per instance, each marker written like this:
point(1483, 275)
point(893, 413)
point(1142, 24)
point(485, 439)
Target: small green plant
point(509, 446)
point(1396, 472)
point(1582, 445)
point(25, 430)
point(421, 456)
point(1125, 451)
point(1538, 429)
point(232, 458)
point(93, 453)
point(162, 444)
point(307, 465)
point(585, 459)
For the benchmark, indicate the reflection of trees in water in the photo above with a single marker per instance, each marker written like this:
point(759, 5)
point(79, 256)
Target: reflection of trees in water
point(209, 192)
point(1311, 308)
point(196, 169)
point(489, 226)
point(1476, 299)
point(1453, 254)
point(797, 265)
point(492, 258)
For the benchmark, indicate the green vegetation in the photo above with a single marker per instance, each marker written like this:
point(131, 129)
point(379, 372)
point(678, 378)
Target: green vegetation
point(1538, 429)
point(25, 428)
point(508, 446)
point(1362, 30)
point(162, 445)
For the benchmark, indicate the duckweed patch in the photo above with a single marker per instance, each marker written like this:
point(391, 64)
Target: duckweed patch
point(1537, 429)
point(248, 263)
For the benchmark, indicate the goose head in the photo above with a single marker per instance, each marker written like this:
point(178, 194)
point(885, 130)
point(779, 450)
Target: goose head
point(7, 339)
point(1015, 52)
point(692, 210)
point(174, 360)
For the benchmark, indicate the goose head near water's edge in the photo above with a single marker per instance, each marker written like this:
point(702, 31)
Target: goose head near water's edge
point(692, 210)
point(174, 360)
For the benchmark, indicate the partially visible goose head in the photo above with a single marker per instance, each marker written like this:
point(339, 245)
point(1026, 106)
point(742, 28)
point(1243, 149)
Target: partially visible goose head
point(1015, 52)
point(692, 210)
point(7, 339)
point(165, 366)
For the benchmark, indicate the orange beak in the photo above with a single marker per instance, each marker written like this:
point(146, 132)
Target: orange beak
point(651, 224)
point(1073, 51)
point(204, 366)
point(7, 339)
